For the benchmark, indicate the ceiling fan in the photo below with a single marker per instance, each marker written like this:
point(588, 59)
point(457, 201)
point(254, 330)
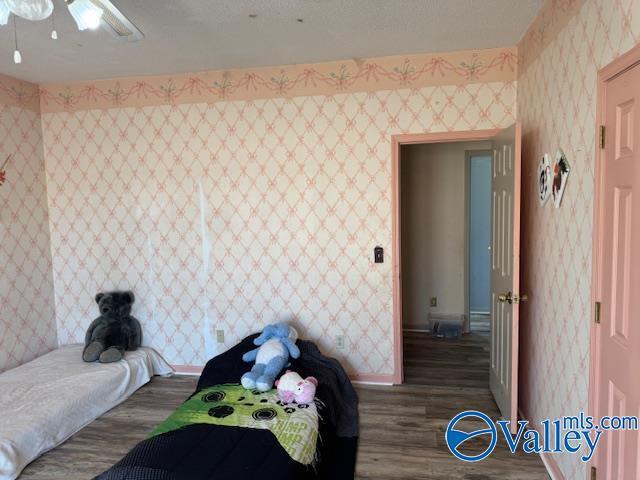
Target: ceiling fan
point(88, 14)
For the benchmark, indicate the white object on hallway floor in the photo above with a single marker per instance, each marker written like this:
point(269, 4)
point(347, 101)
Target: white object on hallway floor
point(447, 323)
point(45, 401)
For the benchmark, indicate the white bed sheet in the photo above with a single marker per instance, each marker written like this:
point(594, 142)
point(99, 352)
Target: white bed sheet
point(45, 401)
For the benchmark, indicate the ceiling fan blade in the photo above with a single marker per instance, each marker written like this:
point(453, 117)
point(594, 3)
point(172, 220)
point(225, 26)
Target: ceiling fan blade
point(116, 23)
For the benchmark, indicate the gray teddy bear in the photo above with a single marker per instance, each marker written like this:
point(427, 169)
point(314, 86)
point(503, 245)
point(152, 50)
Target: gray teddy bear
point(114, 331)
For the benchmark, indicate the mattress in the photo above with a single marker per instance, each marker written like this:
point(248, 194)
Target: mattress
point(45, 401)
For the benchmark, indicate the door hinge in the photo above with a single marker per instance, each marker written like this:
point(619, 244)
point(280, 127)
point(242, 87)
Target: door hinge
point(603, 134)
point(594, 473)
point(598, 312)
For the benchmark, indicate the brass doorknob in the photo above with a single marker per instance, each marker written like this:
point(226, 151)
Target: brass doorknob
point(506, 297)
point(510, 298)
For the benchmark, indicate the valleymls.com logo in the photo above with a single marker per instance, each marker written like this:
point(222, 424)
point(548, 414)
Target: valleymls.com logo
point(456, 438)
point(569, 434)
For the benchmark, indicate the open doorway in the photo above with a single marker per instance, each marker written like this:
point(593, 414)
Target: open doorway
point(505, 263)
point(445, 225)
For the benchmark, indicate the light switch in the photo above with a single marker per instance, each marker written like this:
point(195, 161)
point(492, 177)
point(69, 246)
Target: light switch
point(220, 336)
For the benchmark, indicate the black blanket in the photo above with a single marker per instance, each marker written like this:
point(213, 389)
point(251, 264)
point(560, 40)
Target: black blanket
point(213, 452)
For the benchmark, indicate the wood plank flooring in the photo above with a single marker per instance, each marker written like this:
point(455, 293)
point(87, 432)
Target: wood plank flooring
point(440, 362)
point(105, 441)
point(402, 427)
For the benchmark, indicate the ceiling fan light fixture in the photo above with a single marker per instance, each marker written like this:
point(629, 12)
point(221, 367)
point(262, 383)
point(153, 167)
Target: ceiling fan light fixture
point(31, 9)
point(17, 56)
point(4, 12)
point(85, 13)
point(54, 32)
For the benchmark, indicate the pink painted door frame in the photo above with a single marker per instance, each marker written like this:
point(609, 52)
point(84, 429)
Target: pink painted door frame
point(618, 66)
point(396, 142)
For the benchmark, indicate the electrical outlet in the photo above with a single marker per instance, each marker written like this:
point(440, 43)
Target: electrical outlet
point(340, 342)
point(433, 301)
point(220, 336)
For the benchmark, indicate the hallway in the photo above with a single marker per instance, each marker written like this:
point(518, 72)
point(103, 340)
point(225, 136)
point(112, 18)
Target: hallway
point(455, 363)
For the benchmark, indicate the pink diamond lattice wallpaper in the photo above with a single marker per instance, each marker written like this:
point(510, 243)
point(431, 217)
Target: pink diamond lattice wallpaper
point(233, 214)
point(27, 318)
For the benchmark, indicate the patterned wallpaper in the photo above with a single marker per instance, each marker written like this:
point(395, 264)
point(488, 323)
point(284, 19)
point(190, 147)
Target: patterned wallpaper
point(566, 45)
point(27, 320)
point(233, 214)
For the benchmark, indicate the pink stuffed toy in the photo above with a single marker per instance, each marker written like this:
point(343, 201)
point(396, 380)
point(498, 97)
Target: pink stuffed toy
point(293, 388)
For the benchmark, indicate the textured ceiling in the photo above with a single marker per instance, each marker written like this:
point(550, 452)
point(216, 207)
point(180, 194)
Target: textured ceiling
point(195, 35)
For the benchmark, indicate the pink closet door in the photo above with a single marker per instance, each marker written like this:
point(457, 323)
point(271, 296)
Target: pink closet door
point(617, 337)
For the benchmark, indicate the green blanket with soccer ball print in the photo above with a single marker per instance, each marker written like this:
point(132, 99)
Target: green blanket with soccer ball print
point(294, 426)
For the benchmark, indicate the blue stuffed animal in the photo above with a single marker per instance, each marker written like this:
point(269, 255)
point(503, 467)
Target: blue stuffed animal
point(276, 343)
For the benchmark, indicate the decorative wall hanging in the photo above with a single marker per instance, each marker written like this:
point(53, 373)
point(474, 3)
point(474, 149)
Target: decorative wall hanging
point(561, 171)
point(544, 179)
point(3, 174)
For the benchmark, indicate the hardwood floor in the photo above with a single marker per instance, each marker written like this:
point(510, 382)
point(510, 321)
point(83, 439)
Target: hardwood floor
point(440, 362)
point(402, 436)
point(401, 427)
point(105, 441)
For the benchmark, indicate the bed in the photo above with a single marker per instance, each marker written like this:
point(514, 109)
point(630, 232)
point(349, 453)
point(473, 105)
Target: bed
point(200, 449)
point(45, 401)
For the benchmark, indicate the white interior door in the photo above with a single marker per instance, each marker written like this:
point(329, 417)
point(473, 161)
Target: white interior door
point(505, 271)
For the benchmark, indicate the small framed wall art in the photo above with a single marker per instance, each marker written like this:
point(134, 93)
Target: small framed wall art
point(561, 171)
point(544, 179)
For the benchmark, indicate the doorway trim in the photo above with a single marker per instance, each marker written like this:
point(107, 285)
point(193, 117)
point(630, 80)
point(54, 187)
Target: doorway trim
point(396, 142)
point(618, 66)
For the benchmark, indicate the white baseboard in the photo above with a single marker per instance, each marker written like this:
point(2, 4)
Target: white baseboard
point(549, 463)
point(185, 374)
point(552, 467)
point(366, 382)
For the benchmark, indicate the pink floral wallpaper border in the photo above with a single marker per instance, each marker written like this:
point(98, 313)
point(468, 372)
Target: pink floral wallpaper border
point(386, 73)
point(18, 93)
